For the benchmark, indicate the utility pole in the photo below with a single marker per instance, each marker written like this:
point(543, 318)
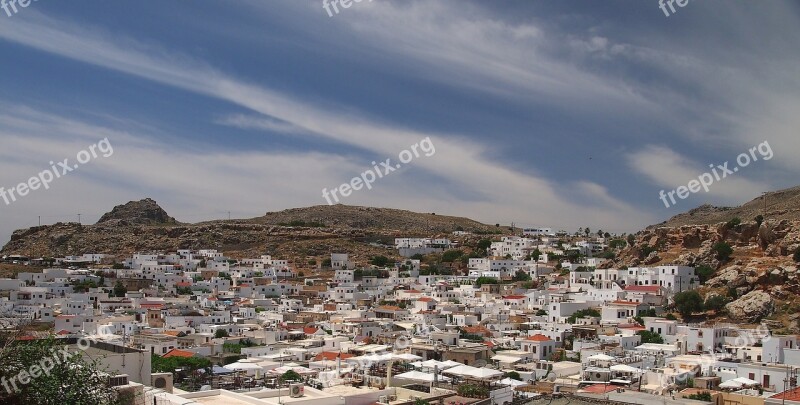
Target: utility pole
point(764, 197)
point(40, 220)
point(229, 215)
point(79, 219)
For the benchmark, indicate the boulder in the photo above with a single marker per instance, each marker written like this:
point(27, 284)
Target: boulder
point(751, 307)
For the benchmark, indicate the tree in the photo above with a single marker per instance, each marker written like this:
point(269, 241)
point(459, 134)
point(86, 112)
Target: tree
point(617, 244)
point(704, 272)
point(221, 333)
point(485, 280)
point(514, 375)
point(759, 220)
point(723, 251)
point(688, 302)
point(119, 289)
point(650, 337)
point(583, 313)
point(587, 231)
point(716, 303)
point(72, 379)
point(380, 261)
point(521, 276)
point(484, 244)
point(291, 375)
point(631, 239)
point(451, 256)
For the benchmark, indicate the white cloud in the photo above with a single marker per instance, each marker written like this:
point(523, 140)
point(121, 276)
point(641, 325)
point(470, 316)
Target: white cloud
point(502, 194)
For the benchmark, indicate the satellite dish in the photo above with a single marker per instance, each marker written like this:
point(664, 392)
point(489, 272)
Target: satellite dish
point(552, 378)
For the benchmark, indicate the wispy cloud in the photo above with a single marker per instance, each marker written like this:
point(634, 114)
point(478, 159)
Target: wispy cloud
point(504, 193)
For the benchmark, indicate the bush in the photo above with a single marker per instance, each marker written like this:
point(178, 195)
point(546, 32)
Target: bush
point(221, 333)
point(733, 222)
point(759, 220)
point(716, 303)
point(473, 391)
point(650, 337)
point(451, 256)
point(485, 280)
point(617, 244)
point(723, 251)
point(704, 273)
point(583, 313)
point(380, 261)
point(514, 375)
point(702, 396)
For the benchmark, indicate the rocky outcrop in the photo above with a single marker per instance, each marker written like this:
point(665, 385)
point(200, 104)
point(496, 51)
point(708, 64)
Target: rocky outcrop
point(142, 212)
point(751, 307)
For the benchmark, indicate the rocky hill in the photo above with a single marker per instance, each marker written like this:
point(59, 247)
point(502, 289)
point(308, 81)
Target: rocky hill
point(143, 212)
point(776, 205)
point(758, 282)
point(296, 233)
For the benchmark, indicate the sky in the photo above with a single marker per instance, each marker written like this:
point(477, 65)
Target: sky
point(561, 114)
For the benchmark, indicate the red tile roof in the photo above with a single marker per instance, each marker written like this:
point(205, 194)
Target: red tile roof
point(600, 388)
point(538, 338)
point(310, 330)
point(178, 353)
point(789, 395)
point(331, 356)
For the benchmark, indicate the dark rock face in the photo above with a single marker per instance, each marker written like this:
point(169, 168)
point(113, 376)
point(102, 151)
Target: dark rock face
point(142, 212)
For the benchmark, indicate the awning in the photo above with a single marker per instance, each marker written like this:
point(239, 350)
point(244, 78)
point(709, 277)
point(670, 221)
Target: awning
point(506, 359)
point(624, 368)
point(420, 376)
point(480, 373)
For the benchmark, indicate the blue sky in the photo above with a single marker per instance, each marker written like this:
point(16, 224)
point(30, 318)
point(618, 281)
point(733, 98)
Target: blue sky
point(561, 114)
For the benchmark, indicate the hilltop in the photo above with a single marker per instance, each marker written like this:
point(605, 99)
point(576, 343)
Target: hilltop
point(780, 205)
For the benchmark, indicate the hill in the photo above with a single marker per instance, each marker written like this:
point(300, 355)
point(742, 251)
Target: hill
point(780, 205)
point(145, 226)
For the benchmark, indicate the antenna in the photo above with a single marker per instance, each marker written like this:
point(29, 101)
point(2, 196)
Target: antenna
point(79, 219)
